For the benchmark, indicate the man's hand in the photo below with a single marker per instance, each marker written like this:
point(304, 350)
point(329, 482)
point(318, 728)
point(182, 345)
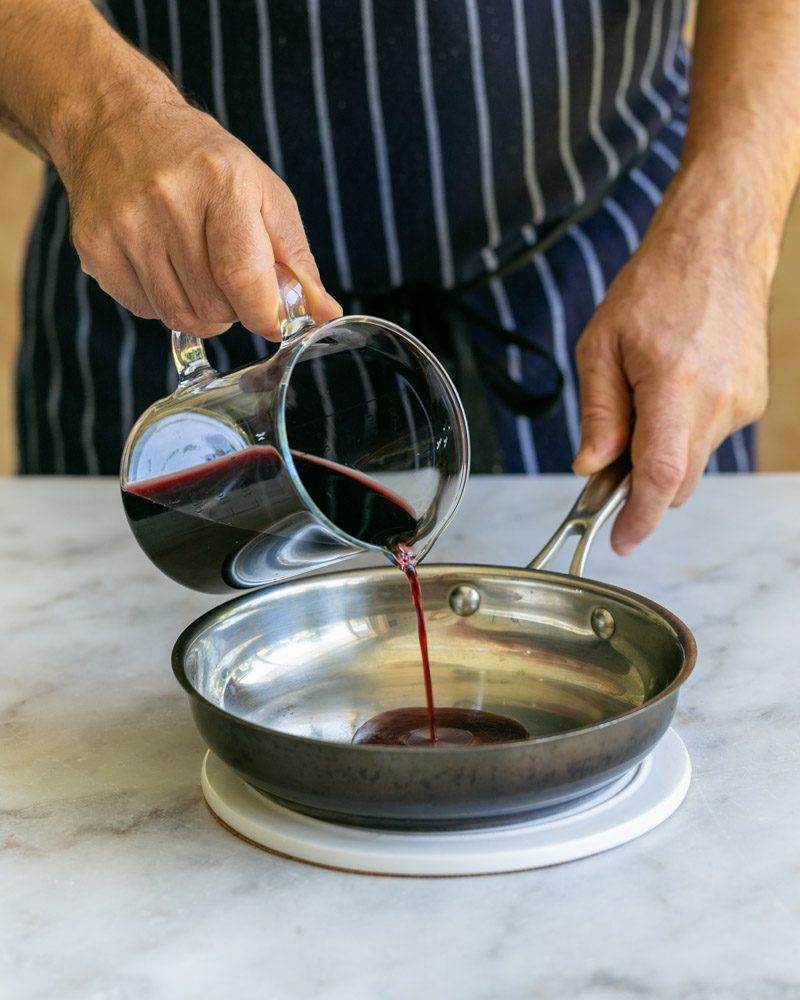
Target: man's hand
point(179, 221)
point(677, 353)
point(175, 218)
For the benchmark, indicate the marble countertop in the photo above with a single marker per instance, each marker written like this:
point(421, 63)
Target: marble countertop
point(118, 883)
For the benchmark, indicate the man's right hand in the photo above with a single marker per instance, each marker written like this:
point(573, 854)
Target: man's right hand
point(179, 221)
point(174, 217)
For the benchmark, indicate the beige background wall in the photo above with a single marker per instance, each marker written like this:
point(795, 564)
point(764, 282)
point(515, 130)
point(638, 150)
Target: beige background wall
point(20, 175)
point(20, 179)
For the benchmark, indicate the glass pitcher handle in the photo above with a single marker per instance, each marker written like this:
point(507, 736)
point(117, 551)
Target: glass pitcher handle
point(295, 318)
point(189, 353)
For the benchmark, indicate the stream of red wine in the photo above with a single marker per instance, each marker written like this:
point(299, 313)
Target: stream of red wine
point(407, 563)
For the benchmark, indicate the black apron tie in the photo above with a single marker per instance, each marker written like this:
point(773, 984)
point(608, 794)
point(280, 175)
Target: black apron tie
point(445, 324)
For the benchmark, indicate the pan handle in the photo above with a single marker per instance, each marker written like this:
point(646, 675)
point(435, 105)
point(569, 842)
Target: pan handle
point(603, 494)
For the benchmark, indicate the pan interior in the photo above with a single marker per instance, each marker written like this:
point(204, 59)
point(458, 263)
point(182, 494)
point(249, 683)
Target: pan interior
point(319, 658)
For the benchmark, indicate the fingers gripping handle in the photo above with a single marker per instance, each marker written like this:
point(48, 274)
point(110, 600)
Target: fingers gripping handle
point(602, 495)
point(189, 353)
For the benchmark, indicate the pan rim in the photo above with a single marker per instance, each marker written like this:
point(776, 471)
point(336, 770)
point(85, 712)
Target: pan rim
point(677, 625)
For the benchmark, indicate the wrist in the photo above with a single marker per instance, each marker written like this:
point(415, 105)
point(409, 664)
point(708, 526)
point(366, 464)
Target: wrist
point(65, 73)
point(725, 199)
point(79, 119)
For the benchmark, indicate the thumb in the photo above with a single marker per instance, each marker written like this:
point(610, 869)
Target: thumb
point(606, 410)
point(321, 305)
point(290, 246)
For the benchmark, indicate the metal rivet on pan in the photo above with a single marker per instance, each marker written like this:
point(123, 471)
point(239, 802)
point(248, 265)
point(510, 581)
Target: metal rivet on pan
point(464, 600)
point(603, 623)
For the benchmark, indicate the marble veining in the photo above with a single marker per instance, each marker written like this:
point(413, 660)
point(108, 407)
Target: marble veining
point(117, 883)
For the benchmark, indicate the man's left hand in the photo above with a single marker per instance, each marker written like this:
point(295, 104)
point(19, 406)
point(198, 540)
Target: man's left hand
point(675, 358)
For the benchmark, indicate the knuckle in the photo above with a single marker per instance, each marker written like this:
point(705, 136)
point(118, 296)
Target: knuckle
point(720, 392)
point(209, 306)
point(87, 265)
point(127, 224)
point(129, 296)
point(754, 403)
point(217, 316)
point(141, 309)
point(164, 191)
point(682, 360)
point(597, 350)
point(302, 257)
point(237, 276)
point(664, 473)
point(133, 300)
point(741, 404)
point(690, 370)
point(179, 319)
point(217, 164)
point(90, 244)
point(591, 365)
point(665, 350)
point(598, 413)
point(82, 240)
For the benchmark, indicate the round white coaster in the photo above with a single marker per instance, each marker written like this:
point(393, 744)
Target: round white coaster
point(630, 807)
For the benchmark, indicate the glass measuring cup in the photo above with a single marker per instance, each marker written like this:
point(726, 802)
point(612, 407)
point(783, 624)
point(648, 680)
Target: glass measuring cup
point(351, 437)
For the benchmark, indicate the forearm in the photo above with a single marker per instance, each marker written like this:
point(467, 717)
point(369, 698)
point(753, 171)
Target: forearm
point(675, 358)
point(741, 159)
point(65, 72)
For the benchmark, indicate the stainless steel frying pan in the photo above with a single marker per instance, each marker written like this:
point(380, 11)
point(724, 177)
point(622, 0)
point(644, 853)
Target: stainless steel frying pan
point(280, 680)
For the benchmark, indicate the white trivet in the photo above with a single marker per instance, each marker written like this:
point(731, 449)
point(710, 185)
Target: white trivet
point(630, 807)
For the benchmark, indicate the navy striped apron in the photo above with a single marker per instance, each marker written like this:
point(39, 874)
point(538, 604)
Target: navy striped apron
point(478, 172)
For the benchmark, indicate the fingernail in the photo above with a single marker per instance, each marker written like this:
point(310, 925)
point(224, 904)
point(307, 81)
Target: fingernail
point(624, 548)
